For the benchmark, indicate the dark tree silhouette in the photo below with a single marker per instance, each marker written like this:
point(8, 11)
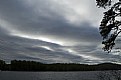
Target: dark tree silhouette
point(23, 65)
point(110, 24)
point(103, 3)
point(2, 65)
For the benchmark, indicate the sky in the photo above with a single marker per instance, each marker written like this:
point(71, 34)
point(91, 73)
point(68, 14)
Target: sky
point(53, 31)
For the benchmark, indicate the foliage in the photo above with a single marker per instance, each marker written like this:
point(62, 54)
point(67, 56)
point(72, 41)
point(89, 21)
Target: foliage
point(2, 65)
point(110, 24)
point(103, 3)
point(19, 65)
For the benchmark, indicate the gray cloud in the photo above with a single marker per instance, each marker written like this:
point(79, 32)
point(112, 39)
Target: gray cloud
point(55, 26)
point(13, 47)
point(51, 31)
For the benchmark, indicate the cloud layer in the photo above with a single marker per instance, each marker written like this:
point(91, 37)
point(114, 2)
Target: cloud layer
point(52, 31)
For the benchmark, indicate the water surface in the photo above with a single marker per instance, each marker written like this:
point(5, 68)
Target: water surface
point(8, 75)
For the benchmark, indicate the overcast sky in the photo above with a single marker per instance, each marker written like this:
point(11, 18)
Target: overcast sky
point(52, 31)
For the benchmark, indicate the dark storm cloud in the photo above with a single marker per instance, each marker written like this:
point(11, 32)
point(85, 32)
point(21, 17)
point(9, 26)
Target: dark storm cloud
point(48, 19)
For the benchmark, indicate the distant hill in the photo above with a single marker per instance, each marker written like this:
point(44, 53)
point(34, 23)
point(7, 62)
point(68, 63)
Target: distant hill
point(18, 65)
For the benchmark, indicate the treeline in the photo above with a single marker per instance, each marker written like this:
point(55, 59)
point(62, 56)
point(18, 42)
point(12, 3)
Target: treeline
point(19, 65)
